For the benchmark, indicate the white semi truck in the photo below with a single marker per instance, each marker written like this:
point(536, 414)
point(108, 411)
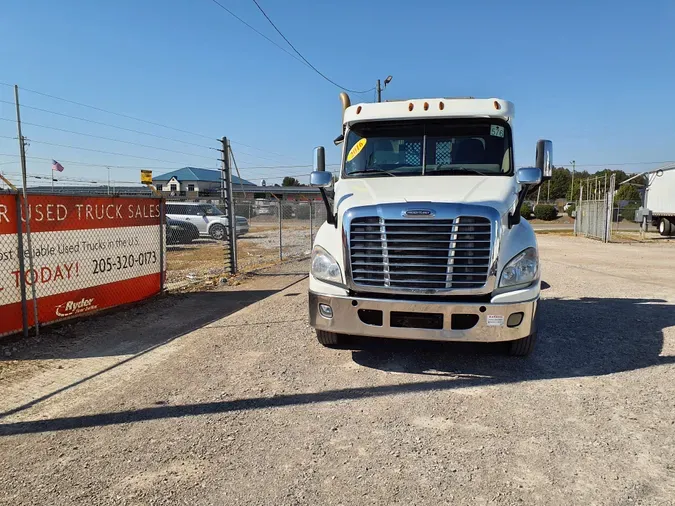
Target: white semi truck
point(424, 238)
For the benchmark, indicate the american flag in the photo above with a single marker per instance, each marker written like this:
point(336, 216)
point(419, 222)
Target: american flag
point(57, 166)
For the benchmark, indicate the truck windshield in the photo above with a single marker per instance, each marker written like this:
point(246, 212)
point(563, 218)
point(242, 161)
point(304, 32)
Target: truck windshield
point(430, 148)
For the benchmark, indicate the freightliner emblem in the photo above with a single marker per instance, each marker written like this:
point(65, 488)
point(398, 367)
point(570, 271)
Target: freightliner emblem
point(418, 213)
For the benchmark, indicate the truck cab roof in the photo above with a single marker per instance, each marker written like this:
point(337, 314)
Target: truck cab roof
point(431, 108)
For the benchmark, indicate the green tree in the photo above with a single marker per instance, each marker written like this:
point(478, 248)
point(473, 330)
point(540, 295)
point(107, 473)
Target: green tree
point(560, 184)
point(627, 192)
point(290, 181)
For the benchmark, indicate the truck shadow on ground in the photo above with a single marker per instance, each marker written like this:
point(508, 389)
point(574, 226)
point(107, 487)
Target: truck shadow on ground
point(586, 337)
point(582, 337)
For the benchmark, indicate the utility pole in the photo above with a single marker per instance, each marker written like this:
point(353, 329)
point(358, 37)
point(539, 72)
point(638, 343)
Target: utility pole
point(574, 163)
point(108, 180)
point(227, 197)
point(22, 151)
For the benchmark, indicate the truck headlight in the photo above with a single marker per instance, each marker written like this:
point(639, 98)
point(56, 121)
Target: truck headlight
point(522, 269)
point(324, 266)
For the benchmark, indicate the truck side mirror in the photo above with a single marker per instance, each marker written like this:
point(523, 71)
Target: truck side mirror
point(319, 159)
point(528, 176)
point(544, 158)
point(321, 179)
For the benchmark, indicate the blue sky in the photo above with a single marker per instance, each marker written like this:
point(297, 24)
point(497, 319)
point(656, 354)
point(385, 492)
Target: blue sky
point(595, 77)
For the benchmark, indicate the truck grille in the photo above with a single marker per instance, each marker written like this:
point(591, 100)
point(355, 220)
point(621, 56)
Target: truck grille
point(420, 254)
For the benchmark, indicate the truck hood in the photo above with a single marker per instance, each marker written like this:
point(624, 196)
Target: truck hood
point(498, 192)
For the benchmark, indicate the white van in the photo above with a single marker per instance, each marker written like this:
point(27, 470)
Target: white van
point(209, 220)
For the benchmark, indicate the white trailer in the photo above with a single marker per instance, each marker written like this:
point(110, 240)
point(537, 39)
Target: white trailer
point(659, 201)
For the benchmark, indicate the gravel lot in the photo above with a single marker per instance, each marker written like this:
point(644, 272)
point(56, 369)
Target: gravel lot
point(204, 258)
point(224, 397)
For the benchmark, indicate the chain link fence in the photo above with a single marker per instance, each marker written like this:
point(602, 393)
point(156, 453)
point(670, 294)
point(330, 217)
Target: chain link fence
point(277, 230)
point(65, 256)
point(198, 240)
point(269, 231)
point(623, 216)
point(591, 219)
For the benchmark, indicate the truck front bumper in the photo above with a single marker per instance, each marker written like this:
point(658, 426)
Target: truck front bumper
point(430, 321)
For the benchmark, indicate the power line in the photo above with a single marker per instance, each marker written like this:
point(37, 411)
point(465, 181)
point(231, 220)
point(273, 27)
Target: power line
point(257, 149)
point(136, 131)
point(106, 124)
point(136, 119)
point(257, 31)
point(110, 112)
point(69, 179)
point(285, 166)
point(260, 157)
point(107, 138)
point(303, 58)
point(92, 150)
point(72, 162)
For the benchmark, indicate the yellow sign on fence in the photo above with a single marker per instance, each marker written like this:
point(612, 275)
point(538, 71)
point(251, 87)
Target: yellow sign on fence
point(146, 176)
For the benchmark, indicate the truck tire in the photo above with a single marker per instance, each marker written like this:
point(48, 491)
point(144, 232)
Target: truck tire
point(665, 227)
point(328, 339)
point(217, 232)
point(523, 347)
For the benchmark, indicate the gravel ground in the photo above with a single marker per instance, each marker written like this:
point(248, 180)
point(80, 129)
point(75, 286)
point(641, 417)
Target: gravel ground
point(236, 403)
point(204, 258)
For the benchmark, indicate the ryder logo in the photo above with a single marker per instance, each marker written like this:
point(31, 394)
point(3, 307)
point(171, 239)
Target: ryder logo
point(75, 307)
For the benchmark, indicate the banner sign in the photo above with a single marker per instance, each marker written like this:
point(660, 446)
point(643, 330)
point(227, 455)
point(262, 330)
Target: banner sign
point(89, 253)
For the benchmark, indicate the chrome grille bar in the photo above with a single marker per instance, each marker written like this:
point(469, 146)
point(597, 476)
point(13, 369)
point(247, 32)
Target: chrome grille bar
point(413, 253)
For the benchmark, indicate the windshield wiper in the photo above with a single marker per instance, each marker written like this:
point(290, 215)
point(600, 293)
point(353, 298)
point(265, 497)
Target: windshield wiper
point(371, 171)
point(455, 169)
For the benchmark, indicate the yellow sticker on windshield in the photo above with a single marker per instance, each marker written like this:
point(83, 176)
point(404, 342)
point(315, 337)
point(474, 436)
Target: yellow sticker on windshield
point(356, 149)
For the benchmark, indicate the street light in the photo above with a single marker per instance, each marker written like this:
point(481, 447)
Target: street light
point(379, 88)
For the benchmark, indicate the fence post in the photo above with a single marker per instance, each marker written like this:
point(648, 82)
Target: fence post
point(162, 221)
point(311, 226)
point(226, 194)
point(610, 208)
point(281, 254)
point(580, 213)
point(22, 267)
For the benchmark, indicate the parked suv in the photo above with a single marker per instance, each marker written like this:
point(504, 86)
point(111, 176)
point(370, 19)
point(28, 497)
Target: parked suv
point(209, 220)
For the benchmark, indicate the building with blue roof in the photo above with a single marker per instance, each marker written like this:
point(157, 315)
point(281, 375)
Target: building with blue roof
point(190, 180)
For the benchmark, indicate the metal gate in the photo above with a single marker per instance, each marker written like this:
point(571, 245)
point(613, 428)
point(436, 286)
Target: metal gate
point(591, 220)
point(594, 217)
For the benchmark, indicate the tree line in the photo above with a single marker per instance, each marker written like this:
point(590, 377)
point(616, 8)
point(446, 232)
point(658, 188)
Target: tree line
point(560, 185)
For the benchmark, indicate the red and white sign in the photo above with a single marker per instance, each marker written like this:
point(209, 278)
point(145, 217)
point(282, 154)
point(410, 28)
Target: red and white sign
point(89, 253)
